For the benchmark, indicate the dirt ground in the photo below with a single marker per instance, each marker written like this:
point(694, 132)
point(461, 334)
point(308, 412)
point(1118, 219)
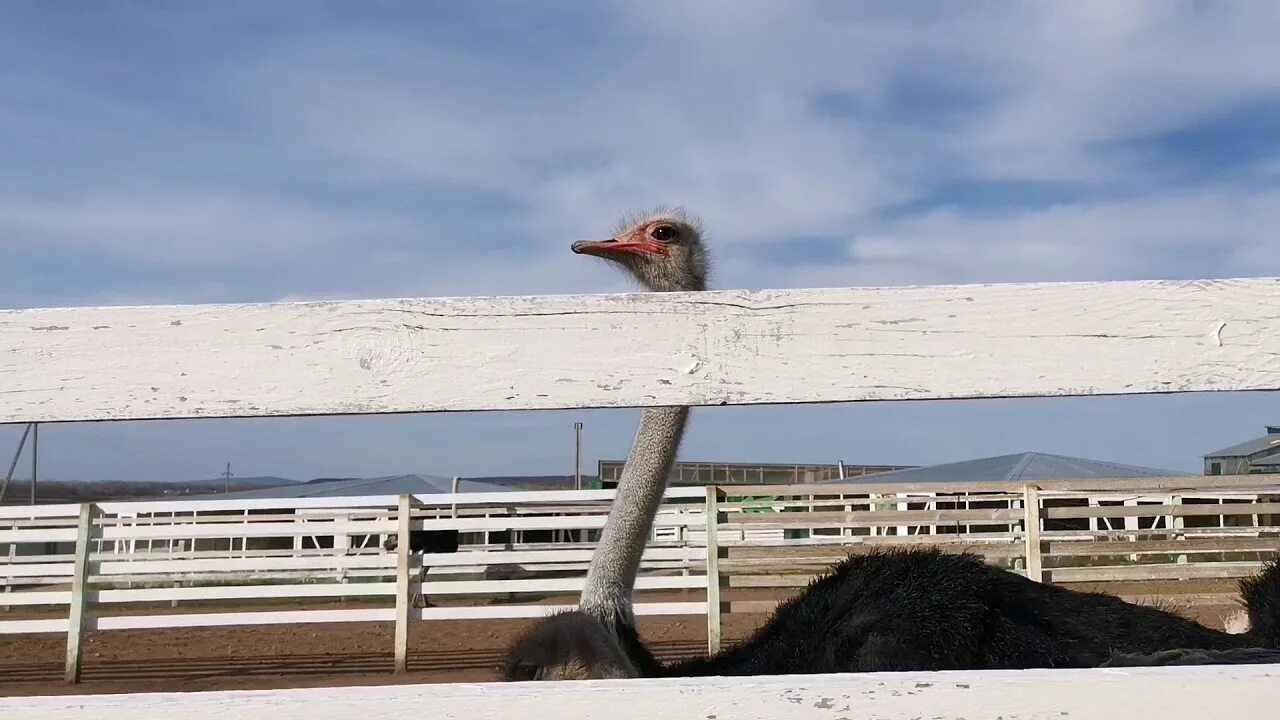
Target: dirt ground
point(259, 657)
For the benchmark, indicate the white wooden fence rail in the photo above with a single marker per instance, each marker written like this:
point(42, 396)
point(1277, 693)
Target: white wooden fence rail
point(1242, 692)
point(715, 348)
point(709, 348)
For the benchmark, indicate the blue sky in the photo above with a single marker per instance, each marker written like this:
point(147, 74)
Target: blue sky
point(247, 151)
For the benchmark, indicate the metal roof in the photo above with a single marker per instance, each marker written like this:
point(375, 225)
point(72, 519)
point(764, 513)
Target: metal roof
point(386, 485)
point(531, 482)
point(1249, 447)
point(1019, 466)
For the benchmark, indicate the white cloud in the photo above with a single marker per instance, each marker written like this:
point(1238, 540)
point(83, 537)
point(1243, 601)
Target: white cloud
point(161, 228)
point(336, 161)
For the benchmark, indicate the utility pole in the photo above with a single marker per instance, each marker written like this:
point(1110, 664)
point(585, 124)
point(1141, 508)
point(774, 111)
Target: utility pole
point(17, 454)
point(226, 479)
point(577, 456)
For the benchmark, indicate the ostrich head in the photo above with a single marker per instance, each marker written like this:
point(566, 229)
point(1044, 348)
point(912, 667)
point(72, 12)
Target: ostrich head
point(661, 248)
point(567, 646)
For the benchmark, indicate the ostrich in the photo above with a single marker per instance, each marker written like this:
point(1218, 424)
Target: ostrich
point(887, 610)
point(663, 250)
point(919, 609)
point(425, 541)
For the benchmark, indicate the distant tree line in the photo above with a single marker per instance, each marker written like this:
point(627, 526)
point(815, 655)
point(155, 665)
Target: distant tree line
point(49, 492)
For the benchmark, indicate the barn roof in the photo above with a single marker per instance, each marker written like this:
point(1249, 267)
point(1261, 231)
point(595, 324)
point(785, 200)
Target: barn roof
point(385, 485)
point(1019, 466)
point(1249, 447)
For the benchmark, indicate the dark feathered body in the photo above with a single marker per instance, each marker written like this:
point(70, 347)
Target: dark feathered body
point(929, 610)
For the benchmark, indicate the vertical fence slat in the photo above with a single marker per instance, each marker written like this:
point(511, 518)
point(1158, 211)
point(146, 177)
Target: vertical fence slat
point(404, 590)
point(79, 592)
point(713, 569)
point(1031, 514)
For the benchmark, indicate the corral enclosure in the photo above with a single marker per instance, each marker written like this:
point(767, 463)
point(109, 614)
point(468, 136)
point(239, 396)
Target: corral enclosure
point(713, 348)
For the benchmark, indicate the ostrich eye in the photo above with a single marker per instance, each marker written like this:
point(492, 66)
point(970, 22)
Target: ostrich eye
point(663, 233)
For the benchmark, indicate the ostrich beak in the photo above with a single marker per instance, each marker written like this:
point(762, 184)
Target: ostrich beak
point(616, 246)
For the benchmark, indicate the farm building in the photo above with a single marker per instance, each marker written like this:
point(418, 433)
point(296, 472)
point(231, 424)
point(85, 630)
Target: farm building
point(725, 473)
point(1260, 455)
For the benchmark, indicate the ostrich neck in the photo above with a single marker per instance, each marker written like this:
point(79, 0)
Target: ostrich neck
point(616, 560)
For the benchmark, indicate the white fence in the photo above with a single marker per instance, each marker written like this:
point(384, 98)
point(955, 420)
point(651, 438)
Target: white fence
point(235, 556)
point(713, 348)
point(255, 557)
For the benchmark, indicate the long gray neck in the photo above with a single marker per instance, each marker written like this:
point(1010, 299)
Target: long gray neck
point(616, 560)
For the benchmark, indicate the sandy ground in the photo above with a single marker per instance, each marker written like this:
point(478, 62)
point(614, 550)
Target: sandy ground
point(256, 657)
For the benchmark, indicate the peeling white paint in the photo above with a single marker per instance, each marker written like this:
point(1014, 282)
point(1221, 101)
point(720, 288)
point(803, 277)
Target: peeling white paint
point(732, 347)
point(1243, 692)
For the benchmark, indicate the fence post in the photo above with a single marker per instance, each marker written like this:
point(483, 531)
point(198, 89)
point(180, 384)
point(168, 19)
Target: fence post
point(1179, 522)
point(404, 590)
point(79, 592)
point(712, 514)
point(1031, 519)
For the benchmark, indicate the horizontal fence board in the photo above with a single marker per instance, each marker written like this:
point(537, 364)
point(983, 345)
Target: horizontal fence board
point(545, 585)
point(247, 592)
point(1157, 510)
point(31, 570)
point(242, 530)
point(61, 510)
point(874, 517)
point(277, 617)
point(1243, 692)
point(640, 349)
point(1189, 546)
point(332, 561)
point(33, 627)
point(490, 612)
point(38, 535)
point(1167, 571)
point(55, 597)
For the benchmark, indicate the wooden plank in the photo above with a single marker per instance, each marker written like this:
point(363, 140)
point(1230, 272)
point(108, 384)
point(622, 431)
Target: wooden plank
point(878, 518)
point(1117, 511)
point(32, 570)
point(819, 562)
point(1031, 526)
point(33, 627)
point(228, 619)
point(555, 585)
point(405, 583)
point(35, 597)
point(711, 532)
point(1168, 571)
point(527, 353)
point(1240, 692)
point(490, 612)
point(246, 592)
point(1190, 546)
point(33, 512)
point(39, 535)
point(244, 529)
point(246, 564)
point(78, 609)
